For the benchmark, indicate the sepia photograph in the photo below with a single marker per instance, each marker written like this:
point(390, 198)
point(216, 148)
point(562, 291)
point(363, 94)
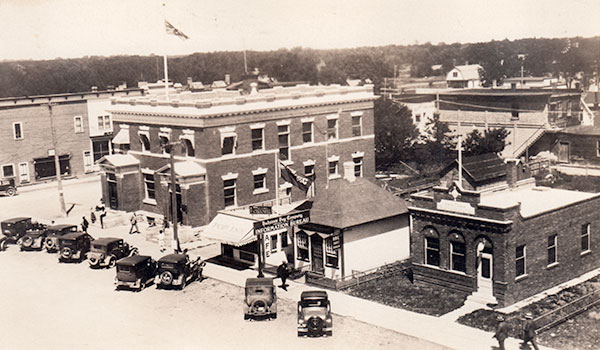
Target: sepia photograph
point(318, 174)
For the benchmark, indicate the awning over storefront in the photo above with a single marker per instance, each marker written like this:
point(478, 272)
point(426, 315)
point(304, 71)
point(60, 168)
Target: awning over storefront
point(230, 229)
point(122, 137)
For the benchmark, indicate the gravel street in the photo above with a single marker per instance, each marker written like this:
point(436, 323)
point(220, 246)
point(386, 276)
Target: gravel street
point(47, 305)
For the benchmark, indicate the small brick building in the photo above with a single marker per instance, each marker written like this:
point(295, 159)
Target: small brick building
point(496, 235)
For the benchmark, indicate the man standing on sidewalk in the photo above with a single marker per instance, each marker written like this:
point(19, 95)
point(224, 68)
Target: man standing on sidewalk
point(84, 224)
point(501, 332)
point(529, 331)
point(283, 273)
point(133, 221)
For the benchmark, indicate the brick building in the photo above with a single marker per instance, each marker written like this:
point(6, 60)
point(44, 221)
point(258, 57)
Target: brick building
point(231, 144)
point(498, 236)
point(82, 127)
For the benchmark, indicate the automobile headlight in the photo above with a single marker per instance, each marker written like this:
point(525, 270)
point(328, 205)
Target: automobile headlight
point(328, 320)
point(301, 321)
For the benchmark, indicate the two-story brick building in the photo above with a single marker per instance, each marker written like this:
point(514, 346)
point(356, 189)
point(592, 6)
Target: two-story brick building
point(501, 238)
point(230, 146)
point(81, 125)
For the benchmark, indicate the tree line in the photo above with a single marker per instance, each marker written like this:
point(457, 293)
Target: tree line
point(500, 59)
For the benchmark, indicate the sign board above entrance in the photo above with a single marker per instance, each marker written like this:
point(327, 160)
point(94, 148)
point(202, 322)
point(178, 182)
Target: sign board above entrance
point(456, 206)
point(281, 222)
point(260, 209)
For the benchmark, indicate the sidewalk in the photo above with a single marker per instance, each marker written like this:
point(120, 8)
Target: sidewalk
point(433, 329)
point(92, 177)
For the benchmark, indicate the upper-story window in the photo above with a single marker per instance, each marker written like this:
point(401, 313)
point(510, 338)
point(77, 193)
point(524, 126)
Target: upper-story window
point(357, 158)
point(78, 123)
point(309, 169)
point(257, 134)
point(229, 193)
point(18, 131)
point(103, 122)
point(332, 127)
point(228, 140)
point(520, 263)
point(283, 134)
point(164, 144)
point(455, 74)
point(260, 180)
point(357, 124)
point(145, 141)
point(307, 132)
point(334, 166)
point(188, 147)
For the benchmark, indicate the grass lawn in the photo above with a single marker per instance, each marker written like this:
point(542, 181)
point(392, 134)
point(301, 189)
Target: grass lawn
point(399, 292)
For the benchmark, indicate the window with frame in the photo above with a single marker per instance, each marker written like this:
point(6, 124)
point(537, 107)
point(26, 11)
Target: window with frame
point(149, 186)
point(356, 125)
point(283, 133)
point(274, 242)
point(309, 171)
point(569, 108)
point(331, 255)
point(332, 129)
point(358, 166)
point(145, 141)
point(515, 111)
point(585, 238)
point(103, 122)
point(432, 247)
point(302, 246)
point(18, 131)
point(520, 255)
point(8, 170)
point(333, 168)
point(188, 147)
point(260, 182)
point(228, 146)
point(307, 132)
point(257, 139)
point(552, 251)
point(78, 124)
point(455, 74)
point(458, 251)
point(229, 192)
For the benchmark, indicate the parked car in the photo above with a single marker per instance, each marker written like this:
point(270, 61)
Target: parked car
point(261, 299)
point(176, 270)
point(7, 187)
point(13, 229)
point(53, 232)
point(135, 272)
point(314, 314)
point(73, 246)
point(33, 238)
point(106, 251)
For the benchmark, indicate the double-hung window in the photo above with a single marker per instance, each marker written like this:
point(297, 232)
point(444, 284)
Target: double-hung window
point(257, 135)
point(229, 194)
point(432, 247)
point(357, 125)
point(18, 131)
point(520, 263)
point(302, 245)
point(458, 251)
point(307, 132)
point(585, 238)
point(283, 134)
point(149, 186)
point(552, 251)
point(331, 255)
point(332, 128)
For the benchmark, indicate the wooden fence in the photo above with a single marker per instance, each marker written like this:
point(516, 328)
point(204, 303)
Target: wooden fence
point(357, 278)
point(567, 311)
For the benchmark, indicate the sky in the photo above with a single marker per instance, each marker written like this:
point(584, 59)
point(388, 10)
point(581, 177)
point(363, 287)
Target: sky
point(47, 29)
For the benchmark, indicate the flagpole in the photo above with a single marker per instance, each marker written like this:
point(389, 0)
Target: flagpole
point(277, 177)
point(166, 69)
point(460, 161)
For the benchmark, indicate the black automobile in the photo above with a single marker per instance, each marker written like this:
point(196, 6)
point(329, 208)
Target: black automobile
point(33, 238)
point(73, 246)
point(177, 270)
point(7, 187)
point(13, 229)
point(135, 272)
point(106, 251)
point(314, 314)
point(53, 232)
point(261, 299)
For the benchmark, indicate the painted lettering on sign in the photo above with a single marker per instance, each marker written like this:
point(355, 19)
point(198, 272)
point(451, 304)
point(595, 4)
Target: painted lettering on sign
point(457, 207)
point(281, 222)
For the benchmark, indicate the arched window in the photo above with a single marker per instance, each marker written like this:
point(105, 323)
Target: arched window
point(164, 144)
point(145, 142)
point(189, 148)
point(432, 246)
point(458, 252)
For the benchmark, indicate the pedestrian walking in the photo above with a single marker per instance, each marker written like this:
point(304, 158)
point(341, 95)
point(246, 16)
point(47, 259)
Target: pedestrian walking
point(501, 331)
point(283, 272)
point(161, 240)
point(529, 331)
point(102, 209)
point(84, 224)
point(134, 225)
point(92, 215)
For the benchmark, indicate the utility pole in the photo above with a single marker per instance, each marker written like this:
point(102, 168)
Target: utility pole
point(171, 149)
point(61, 198)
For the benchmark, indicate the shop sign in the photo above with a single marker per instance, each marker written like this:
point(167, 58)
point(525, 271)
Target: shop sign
point(337, 242)
point(260, 209)
point(455, 206)
point(281, 222)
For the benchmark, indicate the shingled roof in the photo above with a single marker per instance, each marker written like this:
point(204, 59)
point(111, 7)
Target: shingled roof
point(480, 168)
point(345, 204)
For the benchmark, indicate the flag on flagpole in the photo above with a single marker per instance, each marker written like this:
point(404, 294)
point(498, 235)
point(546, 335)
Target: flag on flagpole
point(290, 175)
point(174, 31)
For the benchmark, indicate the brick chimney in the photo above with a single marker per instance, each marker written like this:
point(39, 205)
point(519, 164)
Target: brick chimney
point(349, 171)
point(227, 79)
point(189, 81)
point(512, 175)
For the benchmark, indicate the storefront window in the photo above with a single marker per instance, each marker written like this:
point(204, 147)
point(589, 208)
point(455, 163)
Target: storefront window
point(274, 243)
point(432, 247)
point(331, 258)
point(302, 238)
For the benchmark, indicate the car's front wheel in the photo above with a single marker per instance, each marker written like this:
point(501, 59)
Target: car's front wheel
point(49, 244)
point(166, 278)
point(112, 261)
point(66, 253)
point(11, 191)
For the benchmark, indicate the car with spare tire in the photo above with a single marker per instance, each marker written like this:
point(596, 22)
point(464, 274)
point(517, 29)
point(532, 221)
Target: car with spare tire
point(135, 272)
point(314, 314)
point(53, 232)
point(74, 246)
point(33, 238)
point(177, 270)
point(105, 251)
point(13, 229)
point(260, 300)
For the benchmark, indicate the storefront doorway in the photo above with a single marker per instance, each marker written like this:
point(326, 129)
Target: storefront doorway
point(113, 201)
point(316, 244)
point(485, 268)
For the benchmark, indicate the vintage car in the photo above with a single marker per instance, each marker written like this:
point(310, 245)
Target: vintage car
point(314, 314)
point(33, 238)
point(261, 299)
point(135, 272)
point(55, 231)
point(176, 270)
point(106, 251)
point(13, 229)
point(73, 246)
point(7, 187)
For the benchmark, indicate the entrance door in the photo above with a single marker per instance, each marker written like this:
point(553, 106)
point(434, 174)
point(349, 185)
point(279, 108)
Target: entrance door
point(563, 152)
point(87, 162)
point(113, 201)
point(179, 211)
point(485, 271)
point(316, 244)
point(23, 172)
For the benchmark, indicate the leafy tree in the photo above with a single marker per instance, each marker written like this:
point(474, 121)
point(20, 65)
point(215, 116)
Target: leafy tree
point(491, 141)
point(395, 133)
point(436, 146)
